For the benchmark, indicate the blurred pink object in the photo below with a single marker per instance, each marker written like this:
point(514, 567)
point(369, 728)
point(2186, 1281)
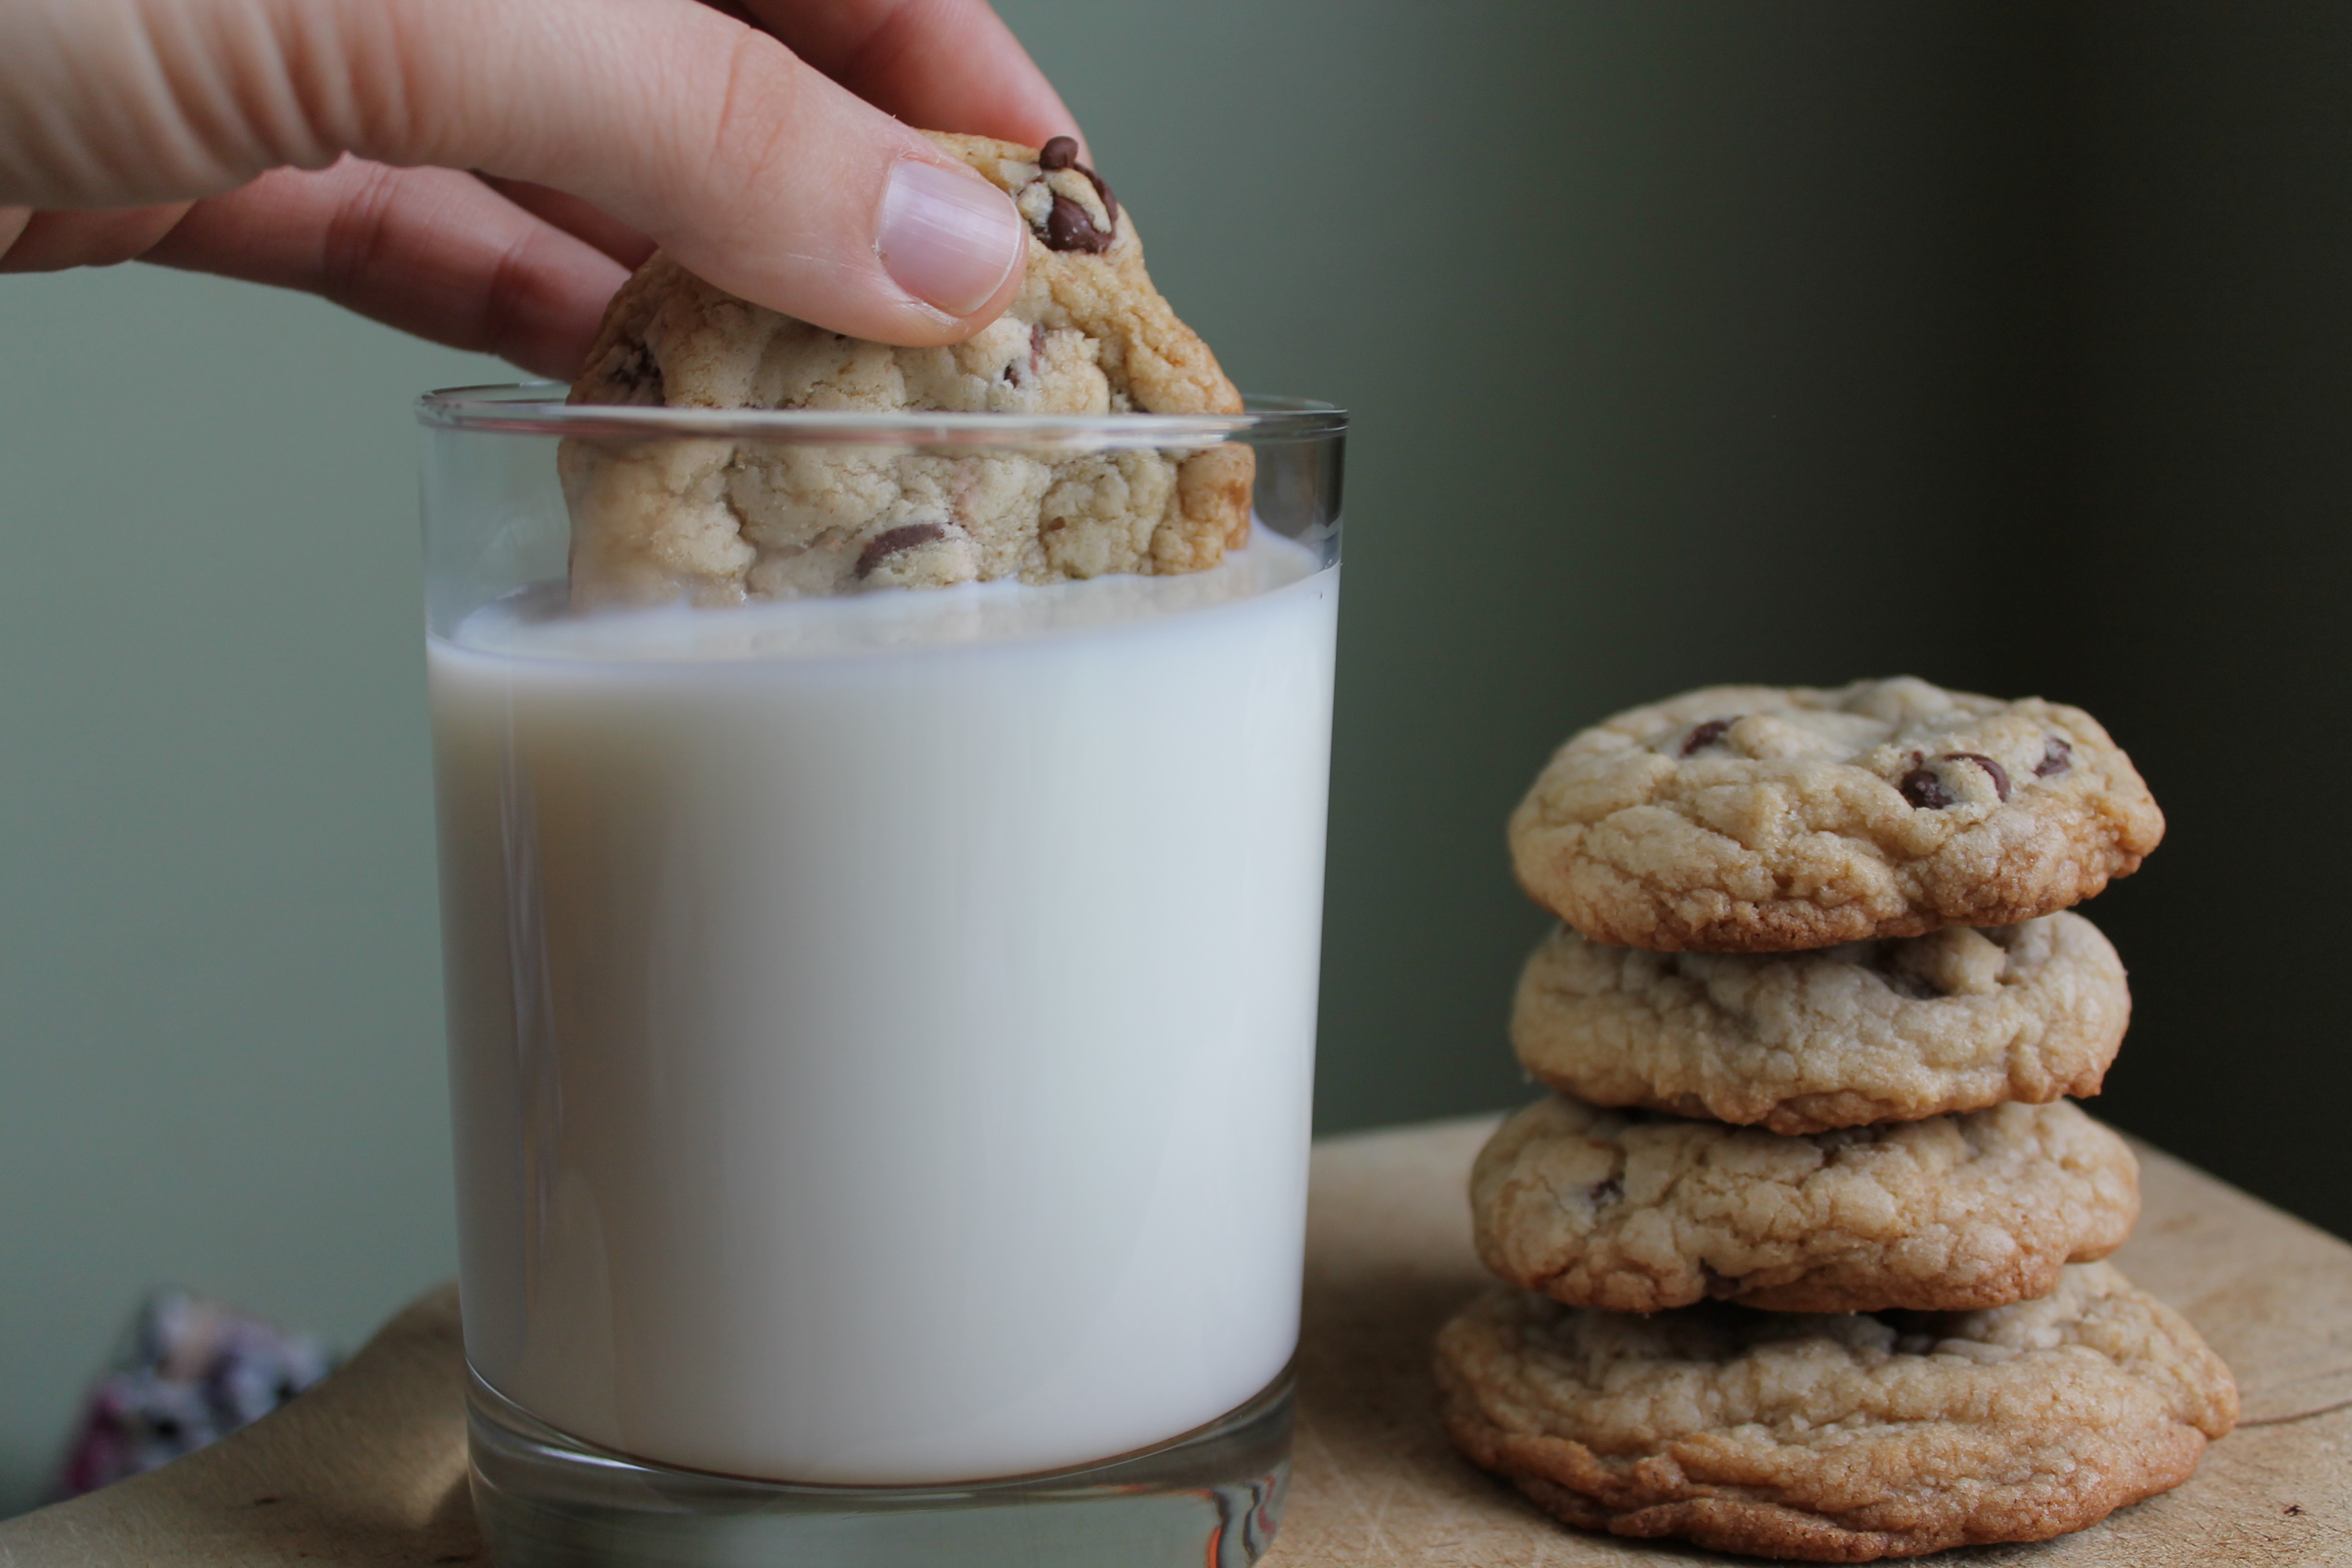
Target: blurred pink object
point(190, 1370)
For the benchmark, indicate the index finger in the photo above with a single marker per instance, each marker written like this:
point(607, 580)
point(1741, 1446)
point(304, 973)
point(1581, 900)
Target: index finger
point(941, 65)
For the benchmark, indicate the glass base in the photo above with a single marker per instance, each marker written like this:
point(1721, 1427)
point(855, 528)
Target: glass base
point(1212, 1496)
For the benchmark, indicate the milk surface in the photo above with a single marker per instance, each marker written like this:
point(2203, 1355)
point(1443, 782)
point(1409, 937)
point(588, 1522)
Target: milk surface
point(882, 1029)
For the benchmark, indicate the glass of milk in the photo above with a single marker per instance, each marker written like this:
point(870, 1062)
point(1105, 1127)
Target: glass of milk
point(881, 1027)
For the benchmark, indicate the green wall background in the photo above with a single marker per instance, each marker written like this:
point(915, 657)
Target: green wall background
point(1688, 341)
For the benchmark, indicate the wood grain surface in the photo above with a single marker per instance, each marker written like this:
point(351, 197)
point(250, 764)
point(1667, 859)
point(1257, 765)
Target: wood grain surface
point(1389, 1260)
point(368, 1469)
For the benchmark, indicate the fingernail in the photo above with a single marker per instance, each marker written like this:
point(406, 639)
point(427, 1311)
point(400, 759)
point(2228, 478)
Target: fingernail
point(948, 239)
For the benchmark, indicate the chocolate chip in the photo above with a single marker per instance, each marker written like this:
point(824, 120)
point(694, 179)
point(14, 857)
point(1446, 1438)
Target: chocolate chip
point(637, 374)
point(1886, 962)
point(891, 541)
point(1021, 372)
point(1102, 189)
point(1924, 790)
point(1068, 228)
point(1708, 733)
point(1720, 1285)
point(2000, 775)
point(2057, 756)
point(1608, 1192)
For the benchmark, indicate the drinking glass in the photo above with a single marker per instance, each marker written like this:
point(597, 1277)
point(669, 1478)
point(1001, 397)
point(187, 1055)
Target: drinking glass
point(881, 1024)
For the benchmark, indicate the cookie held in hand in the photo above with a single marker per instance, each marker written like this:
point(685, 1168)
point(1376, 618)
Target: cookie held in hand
point(1802, 1042)
point(1637, 1211)
point(1770, 819)
point(717, 521)
point(1837, 1437)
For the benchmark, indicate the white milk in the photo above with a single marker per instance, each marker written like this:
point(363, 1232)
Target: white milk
point(881, 1029)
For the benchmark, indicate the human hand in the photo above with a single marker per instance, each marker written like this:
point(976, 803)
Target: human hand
point(484, 173)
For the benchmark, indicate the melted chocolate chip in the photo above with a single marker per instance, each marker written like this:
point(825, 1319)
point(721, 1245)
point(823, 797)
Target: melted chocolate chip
point(1924, 790)
point(1608, 1192)
point(2057, 756)
point(1021, 372)
point(1883, 965)
point(638, 374)
point(891, 541)
point(1068, 228)
point(1102, 189)
point(2000, 775)
point(1708, 733)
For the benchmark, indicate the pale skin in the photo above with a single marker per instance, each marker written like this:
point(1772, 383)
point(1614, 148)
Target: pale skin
point(485, 173)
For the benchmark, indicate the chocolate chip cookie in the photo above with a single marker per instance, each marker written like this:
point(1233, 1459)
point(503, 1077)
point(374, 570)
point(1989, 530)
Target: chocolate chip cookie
point(1840, 1437)
point(1802, 1042)
point(718, 521)
point(1635, 1212)
point(1769, 819)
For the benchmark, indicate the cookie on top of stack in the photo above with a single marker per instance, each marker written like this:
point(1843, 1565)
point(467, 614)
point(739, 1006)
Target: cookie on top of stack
point(1804, 1246)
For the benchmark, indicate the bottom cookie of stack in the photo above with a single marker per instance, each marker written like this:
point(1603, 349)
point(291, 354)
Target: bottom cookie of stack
point(1837, 1437)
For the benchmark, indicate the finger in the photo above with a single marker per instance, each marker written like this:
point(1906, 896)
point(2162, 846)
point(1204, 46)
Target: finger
point(51, 241)
point(430, 251)
point(949, 65)
point(749, 165)
point(427, 250)
point(706, 135)
point(577, 219)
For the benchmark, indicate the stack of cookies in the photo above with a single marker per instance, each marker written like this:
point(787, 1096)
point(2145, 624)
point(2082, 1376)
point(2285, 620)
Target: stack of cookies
point(1804, 1243)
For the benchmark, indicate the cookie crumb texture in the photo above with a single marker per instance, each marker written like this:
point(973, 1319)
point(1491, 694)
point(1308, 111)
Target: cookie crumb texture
point(1837, 1439)
point(721, 521)
point(1764, 819)
point(1802, 1042)
point(1636, 1212)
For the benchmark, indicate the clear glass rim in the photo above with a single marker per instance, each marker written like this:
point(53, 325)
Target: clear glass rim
point(537, 408)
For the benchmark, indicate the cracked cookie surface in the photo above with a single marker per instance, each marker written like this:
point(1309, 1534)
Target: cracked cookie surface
point(1837, 1437)
point(1802, 1042)
point(722, 521)
point(1637, 1211)
point(1768, 820)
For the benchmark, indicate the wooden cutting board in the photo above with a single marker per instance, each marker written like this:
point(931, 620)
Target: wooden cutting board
point(369, 1467)
point(1389, 1260)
